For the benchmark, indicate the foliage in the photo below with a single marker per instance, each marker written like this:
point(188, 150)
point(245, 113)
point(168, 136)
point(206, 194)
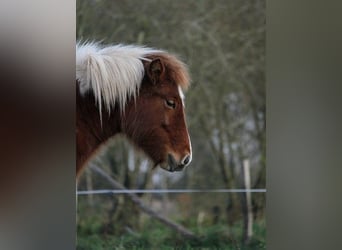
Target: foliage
point(156, 236)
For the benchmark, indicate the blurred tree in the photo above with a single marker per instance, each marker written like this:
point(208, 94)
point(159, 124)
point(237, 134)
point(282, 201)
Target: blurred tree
point(223, 42)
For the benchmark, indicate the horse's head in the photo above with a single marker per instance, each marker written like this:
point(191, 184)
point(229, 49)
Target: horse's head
point(155, 120)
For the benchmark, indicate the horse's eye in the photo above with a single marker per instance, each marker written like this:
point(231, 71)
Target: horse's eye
point(170, 103)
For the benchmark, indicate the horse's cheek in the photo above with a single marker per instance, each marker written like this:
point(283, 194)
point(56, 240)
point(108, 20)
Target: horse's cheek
point(166, 120)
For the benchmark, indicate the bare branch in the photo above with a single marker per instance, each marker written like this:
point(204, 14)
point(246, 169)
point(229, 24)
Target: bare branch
point(177, 227)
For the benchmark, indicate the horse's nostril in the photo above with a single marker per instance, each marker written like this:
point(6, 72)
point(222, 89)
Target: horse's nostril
point(186, 160)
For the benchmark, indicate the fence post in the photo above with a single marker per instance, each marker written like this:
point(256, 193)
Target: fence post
point(247, 203)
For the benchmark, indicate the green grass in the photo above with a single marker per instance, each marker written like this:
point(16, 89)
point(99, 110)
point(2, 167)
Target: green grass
point(154, 235)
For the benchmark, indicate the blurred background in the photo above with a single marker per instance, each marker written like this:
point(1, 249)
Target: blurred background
point(223, 44)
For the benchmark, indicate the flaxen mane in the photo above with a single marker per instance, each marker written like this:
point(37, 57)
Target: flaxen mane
point(114, 74)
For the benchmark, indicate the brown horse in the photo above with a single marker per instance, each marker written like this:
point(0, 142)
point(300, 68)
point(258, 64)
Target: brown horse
point(136, 91)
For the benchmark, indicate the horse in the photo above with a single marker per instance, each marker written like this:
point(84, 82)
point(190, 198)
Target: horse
point(136, 91)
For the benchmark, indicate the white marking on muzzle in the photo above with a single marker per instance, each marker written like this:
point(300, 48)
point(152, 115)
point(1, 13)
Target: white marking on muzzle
point(181, 94)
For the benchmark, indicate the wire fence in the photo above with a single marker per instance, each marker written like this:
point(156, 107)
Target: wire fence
point(159, 191)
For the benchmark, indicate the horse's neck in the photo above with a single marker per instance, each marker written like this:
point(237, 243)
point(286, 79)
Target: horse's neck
point(90, 134)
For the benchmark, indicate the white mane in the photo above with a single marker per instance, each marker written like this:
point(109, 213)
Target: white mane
point(112, 73)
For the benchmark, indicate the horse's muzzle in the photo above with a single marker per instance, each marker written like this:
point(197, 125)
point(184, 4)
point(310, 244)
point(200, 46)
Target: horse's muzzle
point(173, 165)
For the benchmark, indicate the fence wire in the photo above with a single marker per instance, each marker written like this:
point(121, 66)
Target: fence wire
point(170, 191)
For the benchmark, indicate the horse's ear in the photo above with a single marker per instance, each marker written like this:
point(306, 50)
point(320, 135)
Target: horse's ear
point(156, 70)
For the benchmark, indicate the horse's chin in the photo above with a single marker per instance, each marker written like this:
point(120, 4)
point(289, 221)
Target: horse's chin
point(165, 166)
point(171, 165)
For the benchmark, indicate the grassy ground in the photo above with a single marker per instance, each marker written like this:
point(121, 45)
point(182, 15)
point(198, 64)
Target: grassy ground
point(156, 236)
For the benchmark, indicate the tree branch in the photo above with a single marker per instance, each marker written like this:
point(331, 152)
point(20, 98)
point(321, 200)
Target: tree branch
point(177, 227)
